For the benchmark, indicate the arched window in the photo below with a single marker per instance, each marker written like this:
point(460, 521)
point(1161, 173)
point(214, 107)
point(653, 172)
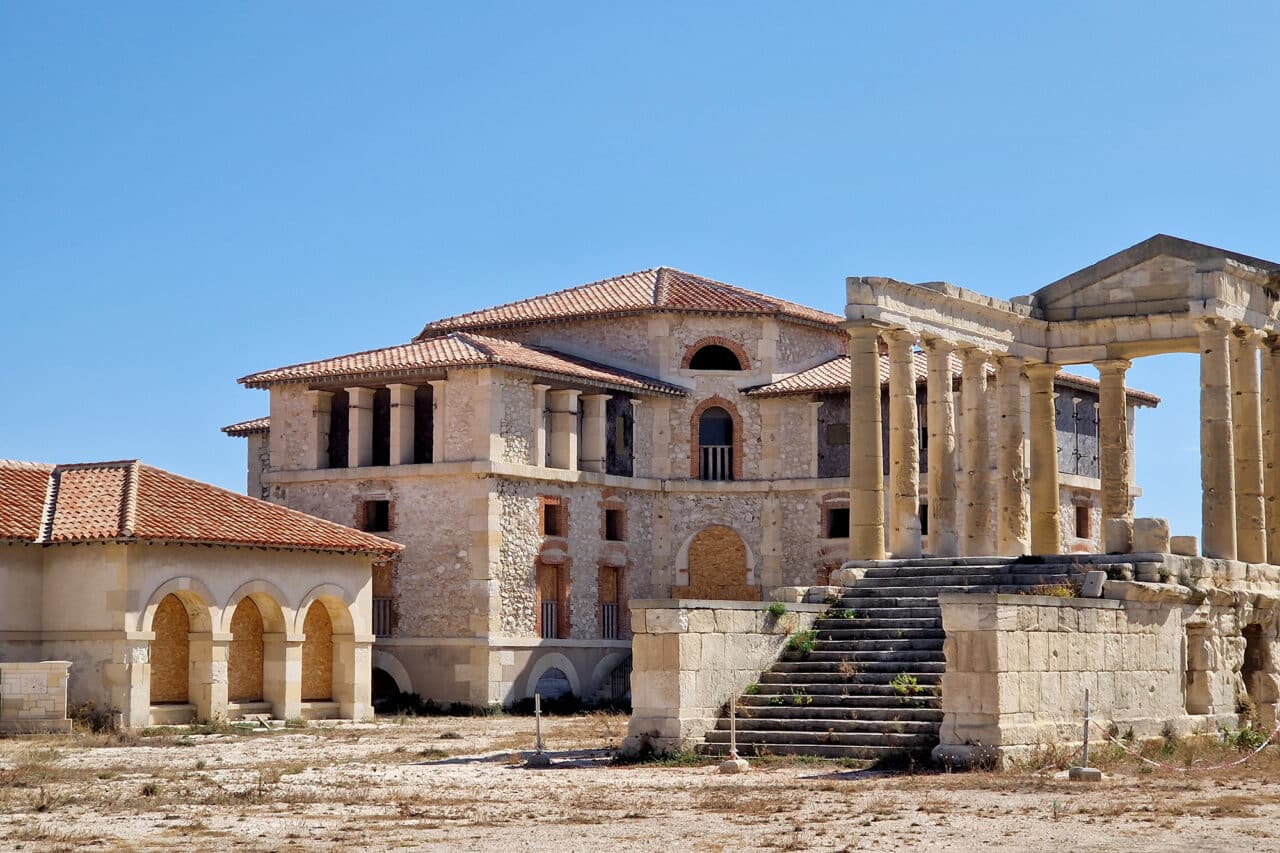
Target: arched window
point(715, 357)
point(715, 444)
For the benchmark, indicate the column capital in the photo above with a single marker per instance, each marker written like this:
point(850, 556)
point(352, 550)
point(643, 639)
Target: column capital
point(601, 397)
point(972, 353)
point(864, 328)
point(1248, 335)
point(938, 345)
point(401, 387)
point(1212, 325)
point(1042, 370)
point(899, 336)
point(1113, 365)
point(1007, 360)
point(359, 396)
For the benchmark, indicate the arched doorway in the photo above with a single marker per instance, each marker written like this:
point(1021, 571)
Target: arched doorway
point(245, 653)
point(170, 653)
point(715, 444)
point(317, 655)
point(718, 567)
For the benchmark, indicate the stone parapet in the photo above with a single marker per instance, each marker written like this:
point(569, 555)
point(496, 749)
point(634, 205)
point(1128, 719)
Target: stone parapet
point(33, 697)
point(690, 656)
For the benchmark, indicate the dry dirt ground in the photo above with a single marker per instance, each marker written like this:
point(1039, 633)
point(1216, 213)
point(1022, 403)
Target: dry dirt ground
point(455, 783)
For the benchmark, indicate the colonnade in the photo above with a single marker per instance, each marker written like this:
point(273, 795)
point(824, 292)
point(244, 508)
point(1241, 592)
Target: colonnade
point(983, 500)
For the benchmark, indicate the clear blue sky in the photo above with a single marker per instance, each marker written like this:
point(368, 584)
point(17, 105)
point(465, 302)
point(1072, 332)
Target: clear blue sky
point(189, 194)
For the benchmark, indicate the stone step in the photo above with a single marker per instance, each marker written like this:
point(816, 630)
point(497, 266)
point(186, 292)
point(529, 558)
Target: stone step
point(920, 662)
point(852, 696)
point(834, 680)
point(870, 754)
point(913, 600)
point(824, 738)
point(757, 723)
point(875, 611)
point(932, 561)
point(983, 579)
point(823, 625)
point(915, 570)
point(883, 633)
point(826, 711)
point(835, 641)
point(852, 595)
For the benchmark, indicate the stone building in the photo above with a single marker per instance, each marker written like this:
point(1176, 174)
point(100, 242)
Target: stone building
point(648, 436)
point(176, 601)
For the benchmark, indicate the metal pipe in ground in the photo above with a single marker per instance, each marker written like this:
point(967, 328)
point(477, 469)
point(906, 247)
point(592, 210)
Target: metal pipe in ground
point(1085, 773)
point(733, 764)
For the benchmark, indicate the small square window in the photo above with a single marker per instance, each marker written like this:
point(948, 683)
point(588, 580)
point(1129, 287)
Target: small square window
point(552, 519)
point(614, 531)
point(375, 516)
point(837, 523)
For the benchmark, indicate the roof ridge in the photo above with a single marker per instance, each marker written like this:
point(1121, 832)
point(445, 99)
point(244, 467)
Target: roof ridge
point(84, 466)
point(50, 503)
point(129, 513)
point(247, 376)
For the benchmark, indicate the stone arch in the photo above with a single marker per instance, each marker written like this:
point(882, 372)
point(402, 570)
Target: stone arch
point(553, 660)
point(735, 348)
point(607, 664)
point(695, 438)
point(336, 601)
point(194, 596)
point(276, 615)
point(388, 663)
point(715, 563)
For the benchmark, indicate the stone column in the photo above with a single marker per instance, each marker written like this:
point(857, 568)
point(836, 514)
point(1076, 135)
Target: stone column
point(402, 407)
point(904, 446)
point(1217, 445)
point(439, 428)
point(866, 465)
point(207, 688)
point(1246, 418)
point(321, 409)
point(564, 429)
point(539, 450)
point(975, 454)
point(594, 440)
point(1113, 457)
point(944, 541)
point(1046, 535)
point(360, 427)
point(1013, 534)
point(352, 668)
point(282, 674)
point(1271, 446)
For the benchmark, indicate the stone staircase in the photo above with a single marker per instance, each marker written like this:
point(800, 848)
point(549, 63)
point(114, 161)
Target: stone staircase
point(871, 687)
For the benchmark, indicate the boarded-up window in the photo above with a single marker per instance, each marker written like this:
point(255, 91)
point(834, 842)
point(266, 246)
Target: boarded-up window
point(244, 654)
point(170, 652)
point(317, 655)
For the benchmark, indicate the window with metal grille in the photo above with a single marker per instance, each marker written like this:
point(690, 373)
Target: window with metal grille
point(374, 516)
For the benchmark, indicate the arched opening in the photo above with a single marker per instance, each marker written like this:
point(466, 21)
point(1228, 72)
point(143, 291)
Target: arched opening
point(715, 357)
point(317, 654)
point(718, 567)
point(553, 684)
point(170, 653)
point(715, 444)
point(245, 653)
point(1253, 670)
point(385, 690)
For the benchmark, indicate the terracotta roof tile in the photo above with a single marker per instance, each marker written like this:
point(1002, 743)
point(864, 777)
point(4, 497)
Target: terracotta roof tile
point(460, 349)
point(248, 427)
point(832, 377)
point(660, 289)
point(129, 501)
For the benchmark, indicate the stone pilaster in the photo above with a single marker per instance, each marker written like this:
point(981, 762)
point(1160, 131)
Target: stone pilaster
point(866, 464)
point(944, 540)
point(539, 449)
point(594, 441)
point(815, 408)
point(282, 674)
point(402, 411)
point(1246, 419)
point(1113, 457)
point(1013, 533)
point(904, 447)
point(1046, 536)
point(564, 429)
point(975, 456)
point(360, 427)
point(1217, 444)
point(439, 426)
point(321, 409)
point(207, 688)
point(1271, 446)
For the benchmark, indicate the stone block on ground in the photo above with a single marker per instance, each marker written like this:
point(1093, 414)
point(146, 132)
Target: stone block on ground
point(1117, 536)
point(1093, 584)
point(1151, 535)
point(1186, 546)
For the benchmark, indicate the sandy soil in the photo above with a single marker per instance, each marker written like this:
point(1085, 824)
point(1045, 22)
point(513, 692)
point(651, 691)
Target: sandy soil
point(454, 783)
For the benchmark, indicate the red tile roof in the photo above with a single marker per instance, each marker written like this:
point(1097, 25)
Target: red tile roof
point(460, 349)
point(129, 501)
point(832, 377)
point(248, 427)
point(661, 289)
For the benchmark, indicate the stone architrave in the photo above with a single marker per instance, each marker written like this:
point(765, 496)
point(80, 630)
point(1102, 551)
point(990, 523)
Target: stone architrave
point(866, 465)
point(1046, 535)
point(975, 454)
point(1246, 417)
point(904, 446)
point(1011, 502)
point(1217, 445)
point(1113, 456)
point(941, 418)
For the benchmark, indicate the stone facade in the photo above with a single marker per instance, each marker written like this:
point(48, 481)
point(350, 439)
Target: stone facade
point(33, 697)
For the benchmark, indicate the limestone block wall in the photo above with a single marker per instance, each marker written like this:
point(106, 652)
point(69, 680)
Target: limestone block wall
point(33, 697)
point(688, 659)
point(802, 347)
point(1018, 666)
point(620, 341)
point(289, 444)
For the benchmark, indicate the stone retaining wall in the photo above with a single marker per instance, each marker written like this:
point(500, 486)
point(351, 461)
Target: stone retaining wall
point(33, 697)
point(689, 657)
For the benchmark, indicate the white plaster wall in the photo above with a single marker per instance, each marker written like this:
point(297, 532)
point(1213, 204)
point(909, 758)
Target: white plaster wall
point(21, 594)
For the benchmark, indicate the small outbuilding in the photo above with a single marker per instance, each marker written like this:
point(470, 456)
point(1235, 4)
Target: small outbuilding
point(176, 601)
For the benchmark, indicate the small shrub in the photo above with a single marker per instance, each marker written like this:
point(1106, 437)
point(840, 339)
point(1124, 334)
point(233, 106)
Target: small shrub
point(833, 599)
point(450, 736)
point(150, 789)
point(907, 687)
point(776, 610)
point(92, 718)
point(847, 669)
point(802, 643)
point(751, 689)
point(1063, 589)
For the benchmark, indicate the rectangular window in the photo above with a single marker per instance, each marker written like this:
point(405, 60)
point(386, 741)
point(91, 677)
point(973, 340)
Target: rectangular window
point(1082, 522)
point(614, 530)
point(552, 594)
point(374, 516)
point(924, 519)
point(552, 517)
point(837, 523)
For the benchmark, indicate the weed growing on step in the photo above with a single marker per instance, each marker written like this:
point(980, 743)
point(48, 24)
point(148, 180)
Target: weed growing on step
point(752, 689)
point(777, 610)
point(1063, 589)
point(907, 687)
point(802, 643)
point(847, 669)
